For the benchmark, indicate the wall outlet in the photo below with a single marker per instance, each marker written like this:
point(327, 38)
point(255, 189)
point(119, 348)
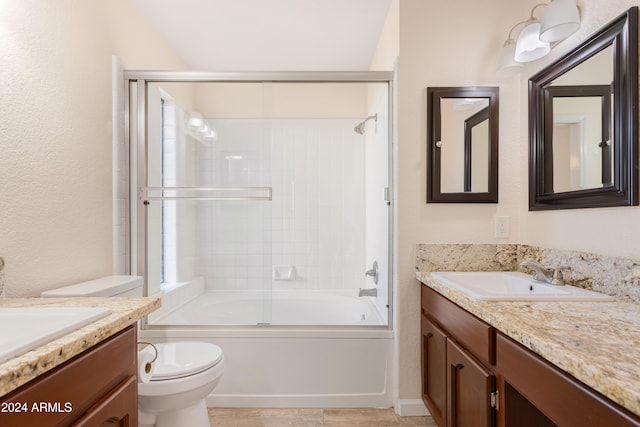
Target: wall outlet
point(502, 226)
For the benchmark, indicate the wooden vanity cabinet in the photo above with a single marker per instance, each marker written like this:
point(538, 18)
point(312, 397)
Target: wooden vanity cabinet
point(434, 373)
point(457, 385)
point(532, 388)
point(96, 388)
point(476, 376)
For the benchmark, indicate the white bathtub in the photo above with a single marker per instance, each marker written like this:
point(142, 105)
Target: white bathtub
point(274, 308)
point(341, 361)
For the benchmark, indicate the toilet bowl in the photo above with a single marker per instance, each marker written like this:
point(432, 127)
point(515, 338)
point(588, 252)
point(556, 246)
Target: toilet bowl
point(184, 372)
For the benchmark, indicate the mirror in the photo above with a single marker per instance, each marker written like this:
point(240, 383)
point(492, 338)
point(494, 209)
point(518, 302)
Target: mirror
point(462, 151)
point(583, 123)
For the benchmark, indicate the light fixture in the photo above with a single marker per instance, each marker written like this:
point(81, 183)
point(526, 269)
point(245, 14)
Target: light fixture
point(529, 47)
point(506, 62)
point(560, 20)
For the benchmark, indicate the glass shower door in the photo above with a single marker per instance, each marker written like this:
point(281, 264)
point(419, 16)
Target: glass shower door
point(262, 201)
point(207, 215)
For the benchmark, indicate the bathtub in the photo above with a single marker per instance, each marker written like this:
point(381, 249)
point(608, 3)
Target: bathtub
point(341, 357)
point(274, 308)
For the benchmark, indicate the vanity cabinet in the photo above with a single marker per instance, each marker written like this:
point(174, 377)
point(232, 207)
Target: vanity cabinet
point(473, 375)
point(534, 392)
point(434, 373)
point(96, 388)
point(456, 352)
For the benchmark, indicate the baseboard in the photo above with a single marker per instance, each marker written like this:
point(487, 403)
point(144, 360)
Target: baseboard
point(300, 401)
point(411, 408)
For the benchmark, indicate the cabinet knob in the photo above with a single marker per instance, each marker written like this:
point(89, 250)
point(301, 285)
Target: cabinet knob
point(429, 335)
point(459, 366)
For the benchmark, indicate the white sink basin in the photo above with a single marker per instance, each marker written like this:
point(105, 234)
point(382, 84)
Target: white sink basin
point(23, 329)
point(513, 286)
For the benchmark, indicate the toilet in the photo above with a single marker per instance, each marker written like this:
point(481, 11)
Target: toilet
point(184, 372)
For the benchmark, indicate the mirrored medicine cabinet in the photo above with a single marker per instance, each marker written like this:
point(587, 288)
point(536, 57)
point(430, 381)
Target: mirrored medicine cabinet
point(583, 123)
point(462, 145)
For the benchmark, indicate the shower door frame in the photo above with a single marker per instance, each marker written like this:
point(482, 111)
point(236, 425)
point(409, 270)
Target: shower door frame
point(135, 95)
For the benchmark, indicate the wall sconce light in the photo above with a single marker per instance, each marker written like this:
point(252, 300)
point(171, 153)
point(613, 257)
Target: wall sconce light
point(529, 47)
point(560, 19)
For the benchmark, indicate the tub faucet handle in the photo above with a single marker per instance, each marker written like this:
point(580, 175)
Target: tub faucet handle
point(558, 277)
point(373, 272)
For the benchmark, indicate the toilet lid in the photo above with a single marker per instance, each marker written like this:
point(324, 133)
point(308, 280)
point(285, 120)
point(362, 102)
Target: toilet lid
point(184, 358)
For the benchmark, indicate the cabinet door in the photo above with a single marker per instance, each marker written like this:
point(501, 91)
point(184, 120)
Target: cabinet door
point(118, 409)
point(470, 388)
point(434, 373)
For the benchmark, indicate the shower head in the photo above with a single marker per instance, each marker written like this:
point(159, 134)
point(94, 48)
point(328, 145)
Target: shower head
point(359, 128)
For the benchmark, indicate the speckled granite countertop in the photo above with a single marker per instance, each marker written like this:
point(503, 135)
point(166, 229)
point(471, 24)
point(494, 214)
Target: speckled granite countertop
point(596, 342)
point(22, 369)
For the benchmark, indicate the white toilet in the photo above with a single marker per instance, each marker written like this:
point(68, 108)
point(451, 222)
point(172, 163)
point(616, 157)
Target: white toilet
point(185, 372)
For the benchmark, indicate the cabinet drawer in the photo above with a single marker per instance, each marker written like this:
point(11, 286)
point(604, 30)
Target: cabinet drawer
point(471, 332)
point(120, 408)
point(69, 390)
point(562, 398)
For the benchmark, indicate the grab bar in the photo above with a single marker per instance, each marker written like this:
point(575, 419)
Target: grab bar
point(144, 193)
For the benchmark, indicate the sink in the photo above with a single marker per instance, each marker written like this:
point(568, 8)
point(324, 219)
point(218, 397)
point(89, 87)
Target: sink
point(513, 286)
point(24, 328)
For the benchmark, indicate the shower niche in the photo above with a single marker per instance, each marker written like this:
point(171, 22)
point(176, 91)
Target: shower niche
point(259, 202)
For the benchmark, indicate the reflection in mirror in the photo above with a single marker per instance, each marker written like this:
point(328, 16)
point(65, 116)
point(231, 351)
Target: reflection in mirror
point(579, 106)
point(581, 141)
point(476, 152)
point(462, 139)
point(583, 123)
point(463, 144)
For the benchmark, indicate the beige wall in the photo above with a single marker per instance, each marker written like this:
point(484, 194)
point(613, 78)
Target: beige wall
point(55, 160)
point(439, 46)
point(56, 148)
point(282, 100)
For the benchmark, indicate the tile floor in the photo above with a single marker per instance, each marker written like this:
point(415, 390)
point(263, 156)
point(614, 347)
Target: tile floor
point(241, 417)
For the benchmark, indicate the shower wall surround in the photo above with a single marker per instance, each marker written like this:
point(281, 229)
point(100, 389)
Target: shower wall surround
point(313, 227)
point(619, 277)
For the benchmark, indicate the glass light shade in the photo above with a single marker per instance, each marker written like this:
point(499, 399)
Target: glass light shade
point(529, 47)
point(506, 62)
point(195, 121)
point(560, 20)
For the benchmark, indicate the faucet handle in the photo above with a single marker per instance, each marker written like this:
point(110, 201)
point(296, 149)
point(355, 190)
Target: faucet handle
point(558, 276)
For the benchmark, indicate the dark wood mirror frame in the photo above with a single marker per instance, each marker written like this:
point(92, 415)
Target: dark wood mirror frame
point(434, 166)
point(622, 34)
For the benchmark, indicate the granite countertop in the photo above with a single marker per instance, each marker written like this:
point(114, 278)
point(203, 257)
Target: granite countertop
point(596, 342)
point(22, 369)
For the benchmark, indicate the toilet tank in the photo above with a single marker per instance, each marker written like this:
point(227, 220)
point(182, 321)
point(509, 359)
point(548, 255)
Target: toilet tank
point(110, 286)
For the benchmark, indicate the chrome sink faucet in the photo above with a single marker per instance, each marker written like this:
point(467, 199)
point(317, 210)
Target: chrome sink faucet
point(543, 274)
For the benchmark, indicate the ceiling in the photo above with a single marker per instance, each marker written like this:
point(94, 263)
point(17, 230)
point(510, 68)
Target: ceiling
point(270, 35)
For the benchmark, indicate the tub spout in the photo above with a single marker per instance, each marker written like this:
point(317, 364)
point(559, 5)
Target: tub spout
point(371, 292)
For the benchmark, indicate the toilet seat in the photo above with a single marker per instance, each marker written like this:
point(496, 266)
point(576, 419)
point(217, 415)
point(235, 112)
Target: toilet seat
point(184, 359)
